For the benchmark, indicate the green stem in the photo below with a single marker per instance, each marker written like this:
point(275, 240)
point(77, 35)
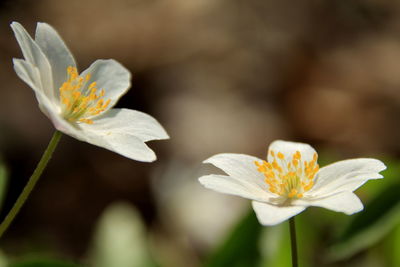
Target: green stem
point(31, 183)
point(293, 242)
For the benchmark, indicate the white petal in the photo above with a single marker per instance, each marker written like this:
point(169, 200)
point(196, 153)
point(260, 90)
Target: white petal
point(122, 143)
point(346, 175)
point(30, 75)
point(270, 214)
point(66, 127)
point(136, 123)
point(34, 55)
point(228, 185)
point(289, 148)
point(240, 167)
point(56, 52)
point(346, 202)
point(111, 76)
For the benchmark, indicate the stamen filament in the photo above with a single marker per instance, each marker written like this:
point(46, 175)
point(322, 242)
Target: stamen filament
point(289, 176)
point(81, 102)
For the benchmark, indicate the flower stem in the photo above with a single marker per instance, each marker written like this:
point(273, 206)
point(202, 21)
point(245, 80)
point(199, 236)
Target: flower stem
point(293, 242)
point(31, 183)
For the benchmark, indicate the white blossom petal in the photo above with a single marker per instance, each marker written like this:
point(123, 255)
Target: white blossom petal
point(30, 75)
point(240, 167)
point(119, 142)
point(57, 53)
point(122, 143)
point(346, 202)
point(346, 175)
point(118, 131)
point(111, 76)
point(228, 185)
point(289, 148)
point(270, 214)
point(136, 123)
point(35, 56)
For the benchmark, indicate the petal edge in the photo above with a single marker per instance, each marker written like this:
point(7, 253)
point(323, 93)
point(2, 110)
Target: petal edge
point(346, 175)
point(346, 202)
point(271, 215)
point(228, 185)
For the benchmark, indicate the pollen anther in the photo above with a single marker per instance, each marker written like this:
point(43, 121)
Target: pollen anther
point(289, 175)
point(81, 102)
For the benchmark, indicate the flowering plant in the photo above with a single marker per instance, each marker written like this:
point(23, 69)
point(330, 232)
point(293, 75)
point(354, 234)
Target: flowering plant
point(291, 180)
point(80, 105)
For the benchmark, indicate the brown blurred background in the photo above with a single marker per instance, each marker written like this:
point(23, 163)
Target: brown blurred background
point(221, 76)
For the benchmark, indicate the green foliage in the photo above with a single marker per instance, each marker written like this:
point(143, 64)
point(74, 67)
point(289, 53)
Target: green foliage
point(3, 182)
point(120, 239)
point(43, 263)
point(394, 247)
point(240, 249)
point(380, 216)
point(275, 246)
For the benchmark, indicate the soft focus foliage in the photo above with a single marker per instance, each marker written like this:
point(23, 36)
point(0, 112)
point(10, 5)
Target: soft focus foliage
point(3, 182)
point(233, 252)
point(120, 239)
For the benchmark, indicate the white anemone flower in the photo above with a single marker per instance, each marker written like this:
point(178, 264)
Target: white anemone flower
point(291, 180)
point(80, 105)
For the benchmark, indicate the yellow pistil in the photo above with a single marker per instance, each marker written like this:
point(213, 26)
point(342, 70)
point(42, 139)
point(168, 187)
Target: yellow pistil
point(79, 101)
point(289, 176)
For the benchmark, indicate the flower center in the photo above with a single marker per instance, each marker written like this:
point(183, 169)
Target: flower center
point(289, 176)
point(80, 101)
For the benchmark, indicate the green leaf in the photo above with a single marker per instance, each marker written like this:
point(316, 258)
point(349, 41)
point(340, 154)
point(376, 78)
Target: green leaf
point(43, 263)
point(241, 248)
point(3, 259)
point(391, 177)
point(395, 247)
point(379, 217)
point(120, 239)
point(3, 182)
point(275, 246)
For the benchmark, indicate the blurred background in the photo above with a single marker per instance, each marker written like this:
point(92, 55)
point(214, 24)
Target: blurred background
point(220, 76)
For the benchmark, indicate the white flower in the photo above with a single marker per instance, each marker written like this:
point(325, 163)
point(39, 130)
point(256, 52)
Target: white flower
point(80, 105)
point(291, 181)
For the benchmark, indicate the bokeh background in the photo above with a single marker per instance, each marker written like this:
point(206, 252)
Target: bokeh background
point(220, 76)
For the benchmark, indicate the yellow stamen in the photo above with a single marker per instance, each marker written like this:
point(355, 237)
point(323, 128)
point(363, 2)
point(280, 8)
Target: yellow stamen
point(86, 121)
point(81, 102)
point(308, 186)
point(289, 177)
point(295, 162)
point(292, 193)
